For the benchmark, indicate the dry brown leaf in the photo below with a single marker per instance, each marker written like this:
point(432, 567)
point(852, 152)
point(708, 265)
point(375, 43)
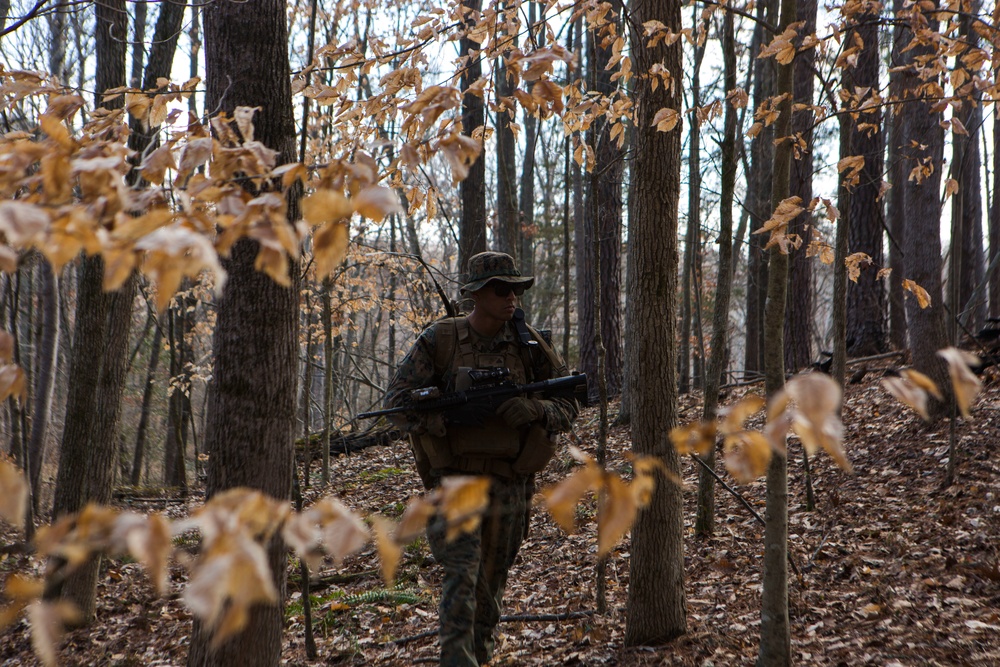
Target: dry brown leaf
point(922, 381)
point(13, 493)
point(461, 501)
point(665, 119)
point(616, 513)
point(735, 415)
point(747, 455)
point(389, 551)
point(696, 437)
point(908, 394)
point(344, 532)
point(376, 202)
point(244, 121)
point(562, 499)
point(24, 225)
point(963, 380)
point(414, 520)
point(816, 419)
point(923, 298)
point(48, 620)
point(152, 545)
point(233, 573)
point(325, 206)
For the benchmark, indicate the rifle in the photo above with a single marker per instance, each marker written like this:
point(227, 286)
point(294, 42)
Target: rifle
point(489, 389)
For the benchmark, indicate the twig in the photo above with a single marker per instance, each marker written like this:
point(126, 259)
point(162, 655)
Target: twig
point(736, 494)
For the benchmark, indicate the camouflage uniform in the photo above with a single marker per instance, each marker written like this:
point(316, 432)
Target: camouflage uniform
point(476, 563)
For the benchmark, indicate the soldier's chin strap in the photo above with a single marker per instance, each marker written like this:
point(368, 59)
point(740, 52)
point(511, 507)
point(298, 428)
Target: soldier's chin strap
point(522, 329)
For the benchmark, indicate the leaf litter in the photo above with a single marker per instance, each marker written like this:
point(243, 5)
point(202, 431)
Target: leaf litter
point(893, 568)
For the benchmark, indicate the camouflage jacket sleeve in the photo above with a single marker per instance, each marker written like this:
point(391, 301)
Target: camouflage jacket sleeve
point(559, 412)
point(414, 372)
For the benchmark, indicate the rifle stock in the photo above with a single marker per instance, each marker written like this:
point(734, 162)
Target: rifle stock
point(490, 396)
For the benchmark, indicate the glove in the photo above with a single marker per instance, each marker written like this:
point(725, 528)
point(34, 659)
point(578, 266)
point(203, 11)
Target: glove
point(519, 411)
point(433, 424)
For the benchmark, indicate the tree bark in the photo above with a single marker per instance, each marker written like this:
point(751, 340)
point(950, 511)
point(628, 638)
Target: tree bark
point(758, 197)
point(867, 327)
point(799, 310)
point(147, 396)
point(968, 207)
point(897, 177)
point(472, 191)
point(922, 211)
point(526, 221)
point(44, 379)
point(603, 217)
point(97, 368)
point(775, 633)
point(251, 414)
point(507, 237)
point(655, 610)
point(705, 520)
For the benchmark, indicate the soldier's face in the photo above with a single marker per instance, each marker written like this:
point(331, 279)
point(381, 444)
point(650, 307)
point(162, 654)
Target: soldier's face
point(498, 304)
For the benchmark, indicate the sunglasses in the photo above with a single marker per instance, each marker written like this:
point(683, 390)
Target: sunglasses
point(504, 289)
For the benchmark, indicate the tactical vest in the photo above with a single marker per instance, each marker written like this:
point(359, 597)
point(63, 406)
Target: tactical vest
point(492, 447)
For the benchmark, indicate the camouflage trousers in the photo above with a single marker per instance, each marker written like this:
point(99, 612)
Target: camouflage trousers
point(475, 573)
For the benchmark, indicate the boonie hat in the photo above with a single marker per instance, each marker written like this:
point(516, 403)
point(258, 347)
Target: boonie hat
point(487, 266)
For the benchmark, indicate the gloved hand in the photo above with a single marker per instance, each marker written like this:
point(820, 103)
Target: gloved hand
point(519, 411)
point(433, 423)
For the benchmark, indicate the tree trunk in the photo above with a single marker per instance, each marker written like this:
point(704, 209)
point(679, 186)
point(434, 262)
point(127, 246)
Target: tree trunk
point(897, 177)
point(526, 221)
point(472, 234)
point(602, 216)
point(507, 237)
point(867, 327)
point(44, 378)
point(705, 521)
point(692, 239)
point(799, 309)
point(251, 423)
point(922, 212)
point(968, 206)
point(147, 396)
point(97, 369)
point(775, 633)
point(655, 610)
point(759, 198)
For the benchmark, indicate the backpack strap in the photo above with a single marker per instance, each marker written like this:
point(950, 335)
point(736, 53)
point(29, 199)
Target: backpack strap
point(445, 342)
point(559, 367)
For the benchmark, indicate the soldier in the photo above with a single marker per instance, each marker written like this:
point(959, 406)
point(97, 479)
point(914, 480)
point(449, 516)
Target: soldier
point(509, 446)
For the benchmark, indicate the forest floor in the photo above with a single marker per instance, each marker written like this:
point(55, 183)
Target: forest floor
point(893, 569)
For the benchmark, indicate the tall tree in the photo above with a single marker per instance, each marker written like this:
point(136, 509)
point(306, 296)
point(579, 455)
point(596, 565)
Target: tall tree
point(507, 237)
point(472, 232)
point(526, 255)
point(251, 420)
point(775, 633)
point(692, 238)
point(897, 178)
point(967, 206)
point(799, 309)
point(44, 379)
point(867, 326)
point(705, 521)
point(655, 611)
point(923, 155)
point(97, 368)
point(602, 216)
point(758, 198)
